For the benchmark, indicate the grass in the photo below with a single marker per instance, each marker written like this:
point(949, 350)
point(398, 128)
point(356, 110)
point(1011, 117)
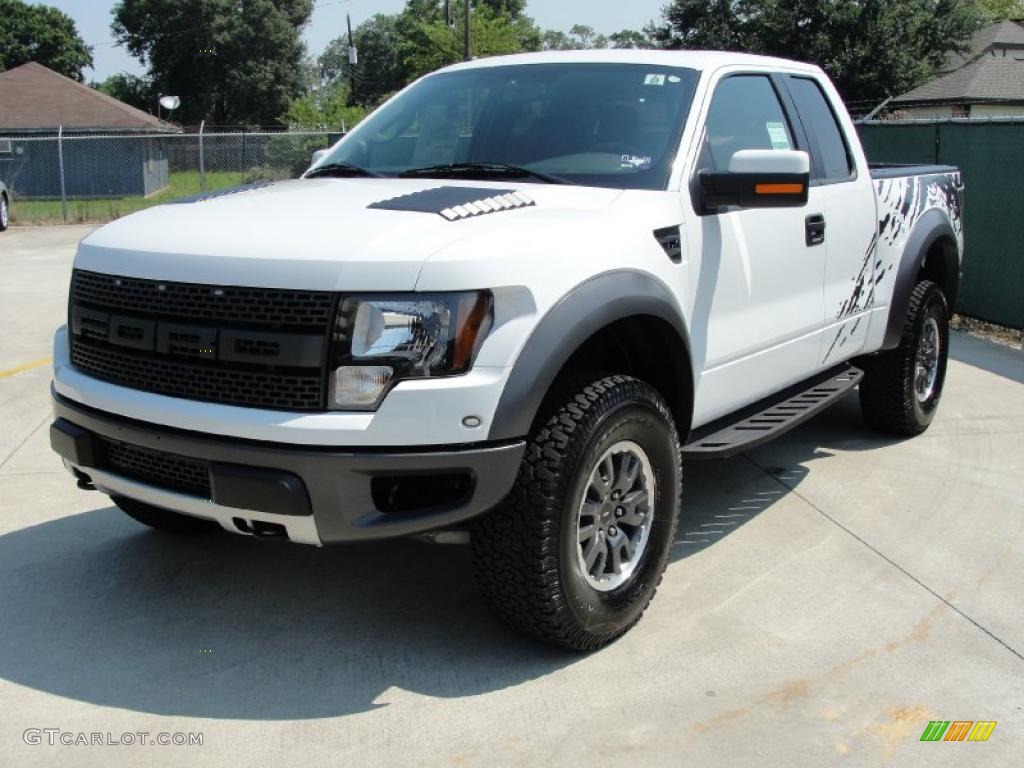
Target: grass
point(182, 184)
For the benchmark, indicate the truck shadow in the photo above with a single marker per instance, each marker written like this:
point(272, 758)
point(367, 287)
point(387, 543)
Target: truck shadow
point(722, 496)
point(98, 609)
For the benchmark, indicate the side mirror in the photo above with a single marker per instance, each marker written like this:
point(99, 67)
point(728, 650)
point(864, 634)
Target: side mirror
point(319, 155)
point(757, 178)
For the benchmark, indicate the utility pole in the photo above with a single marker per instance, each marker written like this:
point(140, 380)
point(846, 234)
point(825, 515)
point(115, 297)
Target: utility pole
point(465, 51)
point(353, 54)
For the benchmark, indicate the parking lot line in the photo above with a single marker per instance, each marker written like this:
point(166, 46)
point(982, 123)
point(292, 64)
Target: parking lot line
point(24, 367)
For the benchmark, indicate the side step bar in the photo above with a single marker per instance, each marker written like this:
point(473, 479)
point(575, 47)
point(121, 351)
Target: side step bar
point(767, 419)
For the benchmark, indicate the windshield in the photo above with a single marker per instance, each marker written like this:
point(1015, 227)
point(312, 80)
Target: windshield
point(608, 125)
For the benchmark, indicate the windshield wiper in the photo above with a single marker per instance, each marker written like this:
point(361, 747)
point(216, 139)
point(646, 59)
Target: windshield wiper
point(341, 170)
point(484, 169)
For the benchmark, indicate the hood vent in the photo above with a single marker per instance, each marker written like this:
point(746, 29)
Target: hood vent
point(456, 203)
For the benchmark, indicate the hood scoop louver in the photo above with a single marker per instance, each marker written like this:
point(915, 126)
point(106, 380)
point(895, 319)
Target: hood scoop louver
point(456, 203)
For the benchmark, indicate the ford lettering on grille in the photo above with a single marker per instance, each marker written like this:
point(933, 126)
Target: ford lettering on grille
point(242, 346)
point(204, 343)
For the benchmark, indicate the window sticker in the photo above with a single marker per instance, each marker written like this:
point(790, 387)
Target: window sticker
point(635, 161)
point(654, 80)
point(777, 134)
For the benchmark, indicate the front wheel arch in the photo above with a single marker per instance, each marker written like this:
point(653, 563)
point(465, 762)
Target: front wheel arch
point(632, 311)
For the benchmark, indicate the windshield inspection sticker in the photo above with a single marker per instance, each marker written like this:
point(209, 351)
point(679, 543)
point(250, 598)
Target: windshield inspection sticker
point(636, 161)
point(654, 80)
point(777, 133)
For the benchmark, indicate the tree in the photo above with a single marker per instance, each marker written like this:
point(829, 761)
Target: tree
point(232, 63)
point(131, 89)
point(430, 44)
point(579, 38)
point(380, 70)
point(512, 9)
point(713, 24)
point(870, 48)
point(630, 38)
point(42, 34)
point(328, 107)
point(999, 10)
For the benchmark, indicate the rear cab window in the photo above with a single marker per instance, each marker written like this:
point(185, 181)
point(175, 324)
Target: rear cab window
point(831, 158)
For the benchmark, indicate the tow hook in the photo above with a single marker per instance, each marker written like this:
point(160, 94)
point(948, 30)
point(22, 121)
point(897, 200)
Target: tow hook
point(84, 481)
point(261, 529)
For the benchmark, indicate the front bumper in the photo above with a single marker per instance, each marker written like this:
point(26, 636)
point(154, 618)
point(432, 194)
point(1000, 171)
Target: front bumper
point(311, 494)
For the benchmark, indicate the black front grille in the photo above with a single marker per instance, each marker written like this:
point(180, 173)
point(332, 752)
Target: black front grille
point(196, 382)
point(164, 470)
point(251, 347)
point(266, 307)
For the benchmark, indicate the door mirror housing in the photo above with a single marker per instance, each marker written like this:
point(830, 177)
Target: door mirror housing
point(319, 155)
point(757, 178)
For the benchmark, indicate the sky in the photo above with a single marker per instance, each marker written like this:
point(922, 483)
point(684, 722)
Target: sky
point(92, 17)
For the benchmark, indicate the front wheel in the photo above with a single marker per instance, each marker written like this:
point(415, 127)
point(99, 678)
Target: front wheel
point(575, 554)
point(900, 391)
point(5, 213)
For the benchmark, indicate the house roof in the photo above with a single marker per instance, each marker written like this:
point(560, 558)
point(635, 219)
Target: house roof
point(1004, 34)
point(34, 98)
point(989, 78)
point(992, 69)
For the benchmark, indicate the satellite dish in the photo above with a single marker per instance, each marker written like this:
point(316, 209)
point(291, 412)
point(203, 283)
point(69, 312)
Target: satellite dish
point(170, 102)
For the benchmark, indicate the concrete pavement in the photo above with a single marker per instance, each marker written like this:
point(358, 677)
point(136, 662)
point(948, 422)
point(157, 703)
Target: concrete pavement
point(830, 594)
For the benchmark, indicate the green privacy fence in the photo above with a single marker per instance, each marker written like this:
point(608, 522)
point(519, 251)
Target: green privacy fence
point(991, 156)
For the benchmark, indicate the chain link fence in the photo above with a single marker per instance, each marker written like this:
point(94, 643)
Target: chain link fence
point(66, 178)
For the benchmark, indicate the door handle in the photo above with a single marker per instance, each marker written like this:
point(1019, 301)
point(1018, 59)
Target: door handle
point(814, 228)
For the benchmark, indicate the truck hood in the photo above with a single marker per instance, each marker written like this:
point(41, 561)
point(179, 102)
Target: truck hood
point(318, 233)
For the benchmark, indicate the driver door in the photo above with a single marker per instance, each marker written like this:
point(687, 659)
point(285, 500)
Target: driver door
point(757, 285)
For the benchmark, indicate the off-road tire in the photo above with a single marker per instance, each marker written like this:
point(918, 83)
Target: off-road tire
point(525, 552)
point(163, 519)
point(887, 396)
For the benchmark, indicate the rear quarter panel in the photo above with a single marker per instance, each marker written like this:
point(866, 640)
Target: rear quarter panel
point(902, 201)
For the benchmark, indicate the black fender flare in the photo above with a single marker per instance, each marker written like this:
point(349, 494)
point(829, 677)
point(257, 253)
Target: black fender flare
point(585, 310)
point(933, 225)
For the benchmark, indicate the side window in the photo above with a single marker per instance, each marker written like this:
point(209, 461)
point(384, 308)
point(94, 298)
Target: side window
point(745, 113)
point(818, 118)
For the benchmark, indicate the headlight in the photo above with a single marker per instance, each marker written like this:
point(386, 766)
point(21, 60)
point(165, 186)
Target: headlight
point(380, 340)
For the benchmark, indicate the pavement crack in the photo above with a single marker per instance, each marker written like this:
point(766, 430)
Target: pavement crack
point(886, 558)
point(27, 437)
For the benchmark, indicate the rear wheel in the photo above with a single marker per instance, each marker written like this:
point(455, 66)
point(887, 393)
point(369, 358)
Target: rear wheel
point(901, 388)
point(575, 554)
point(5, 213)
point(163, 519)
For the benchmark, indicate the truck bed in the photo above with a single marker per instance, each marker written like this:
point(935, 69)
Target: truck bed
point(892, 170)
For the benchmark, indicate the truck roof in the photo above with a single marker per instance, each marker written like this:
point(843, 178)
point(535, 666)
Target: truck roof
point(699, 60)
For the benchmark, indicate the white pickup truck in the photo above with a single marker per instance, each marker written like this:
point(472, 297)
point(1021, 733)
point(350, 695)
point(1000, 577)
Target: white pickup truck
point(510, 303)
